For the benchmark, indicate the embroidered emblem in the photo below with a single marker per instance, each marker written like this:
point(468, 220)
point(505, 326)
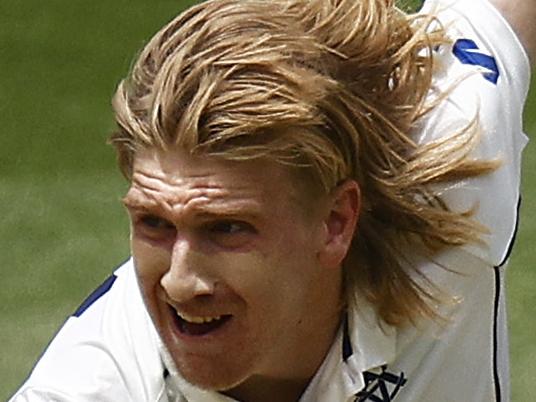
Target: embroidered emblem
point(382, 387)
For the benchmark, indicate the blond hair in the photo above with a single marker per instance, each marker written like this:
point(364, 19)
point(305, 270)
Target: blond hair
point(330, 87)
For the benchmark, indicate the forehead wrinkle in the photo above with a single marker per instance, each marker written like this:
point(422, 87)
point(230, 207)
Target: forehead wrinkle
point(182, 183)
point(181, 196)
point(145, 198)
point(200, 181)
point(226, 203)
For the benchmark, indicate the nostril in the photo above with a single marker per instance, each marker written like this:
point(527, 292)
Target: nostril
point(186, 287)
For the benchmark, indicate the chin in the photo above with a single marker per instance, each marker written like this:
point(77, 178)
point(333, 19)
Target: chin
point(209, 377)
point(218, 379)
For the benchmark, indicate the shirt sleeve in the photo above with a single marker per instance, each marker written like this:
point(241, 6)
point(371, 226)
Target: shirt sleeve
point(486, 72)
point(106, 351)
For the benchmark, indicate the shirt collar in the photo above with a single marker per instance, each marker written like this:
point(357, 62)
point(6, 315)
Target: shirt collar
point(372, 341)
point(362, 344)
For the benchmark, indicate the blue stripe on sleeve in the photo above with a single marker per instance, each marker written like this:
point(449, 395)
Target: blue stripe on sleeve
point(96, 295)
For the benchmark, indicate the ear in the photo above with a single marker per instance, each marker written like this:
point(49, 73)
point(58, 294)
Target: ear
point(340, 222)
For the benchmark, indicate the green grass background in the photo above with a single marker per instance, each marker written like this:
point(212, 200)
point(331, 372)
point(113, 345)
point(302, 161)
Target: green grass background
point(62, 227)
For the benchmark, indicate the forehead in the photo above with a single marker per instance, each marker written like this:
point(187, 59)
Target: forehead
point(175, 176)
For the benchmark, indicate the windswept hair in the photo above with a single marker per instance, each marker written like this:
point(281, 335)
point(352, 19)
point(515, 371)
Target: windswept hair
point(333, 88)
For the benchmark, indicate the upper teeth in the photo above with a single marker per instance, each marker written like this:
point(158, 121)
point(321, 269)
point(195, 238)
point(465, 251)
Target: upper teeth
point(197, 319)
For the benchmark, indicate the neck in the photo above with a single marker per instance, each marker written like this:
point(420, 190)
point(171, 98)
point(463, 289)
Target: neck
point(259, 389)
point(284, 387)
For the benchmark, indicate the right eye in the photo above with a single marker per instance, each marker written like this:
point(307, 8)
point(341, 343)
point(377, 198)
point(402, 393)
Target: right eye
point(154, 227)
point(155, 222)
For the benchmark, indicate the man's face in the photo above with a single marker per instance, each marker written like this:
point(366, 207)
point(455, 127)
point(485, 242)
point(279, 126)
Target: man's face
point(228, 265)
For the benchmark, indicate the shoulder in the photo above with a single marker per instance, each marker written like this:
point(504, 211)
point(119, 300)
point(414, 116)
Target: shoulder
point(97, 354)
point(461, 357)
point(481, 77)
point(464, 356)
point(481, 39)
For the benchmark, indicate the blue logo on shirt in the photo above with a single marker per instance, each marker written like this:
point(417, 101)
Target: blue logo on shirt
point(468, 52)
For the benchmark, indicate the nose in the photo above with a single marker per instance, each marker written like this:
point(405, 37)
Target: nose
point(187, 276)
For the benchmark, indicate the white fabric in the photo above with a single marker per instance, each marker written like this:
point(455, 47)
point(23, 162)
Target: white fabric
point(499, 108)
point(109, 353)
point(112, 352)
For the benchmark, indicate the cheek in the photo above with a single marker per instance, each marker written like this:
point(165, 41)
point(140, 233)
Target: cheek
point(297, 270)
point(151, 264)
point(149, 256)
point(270, 280)
point(252, 276)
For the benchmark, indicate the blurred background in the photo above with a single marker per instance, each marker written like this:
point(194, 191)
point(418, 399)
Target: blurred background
point(62, 226)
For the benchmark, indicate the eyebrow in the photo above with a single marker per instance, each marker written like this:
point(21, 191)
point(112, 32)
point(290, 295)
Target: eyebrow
point(208, 211)
point(131, 202)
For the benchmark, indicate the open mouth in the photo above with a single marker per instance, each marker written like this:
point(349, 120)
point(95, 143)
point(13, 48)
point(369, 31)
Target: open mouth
point(199, 325)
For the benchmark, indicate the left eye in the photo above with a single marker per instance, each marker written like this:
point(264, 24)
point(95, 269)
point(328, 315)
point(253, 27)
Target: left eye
point(231, 227)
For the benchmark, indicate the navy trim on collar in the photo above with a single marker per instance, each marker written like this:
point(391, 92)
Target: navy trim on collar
point(347, 350)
